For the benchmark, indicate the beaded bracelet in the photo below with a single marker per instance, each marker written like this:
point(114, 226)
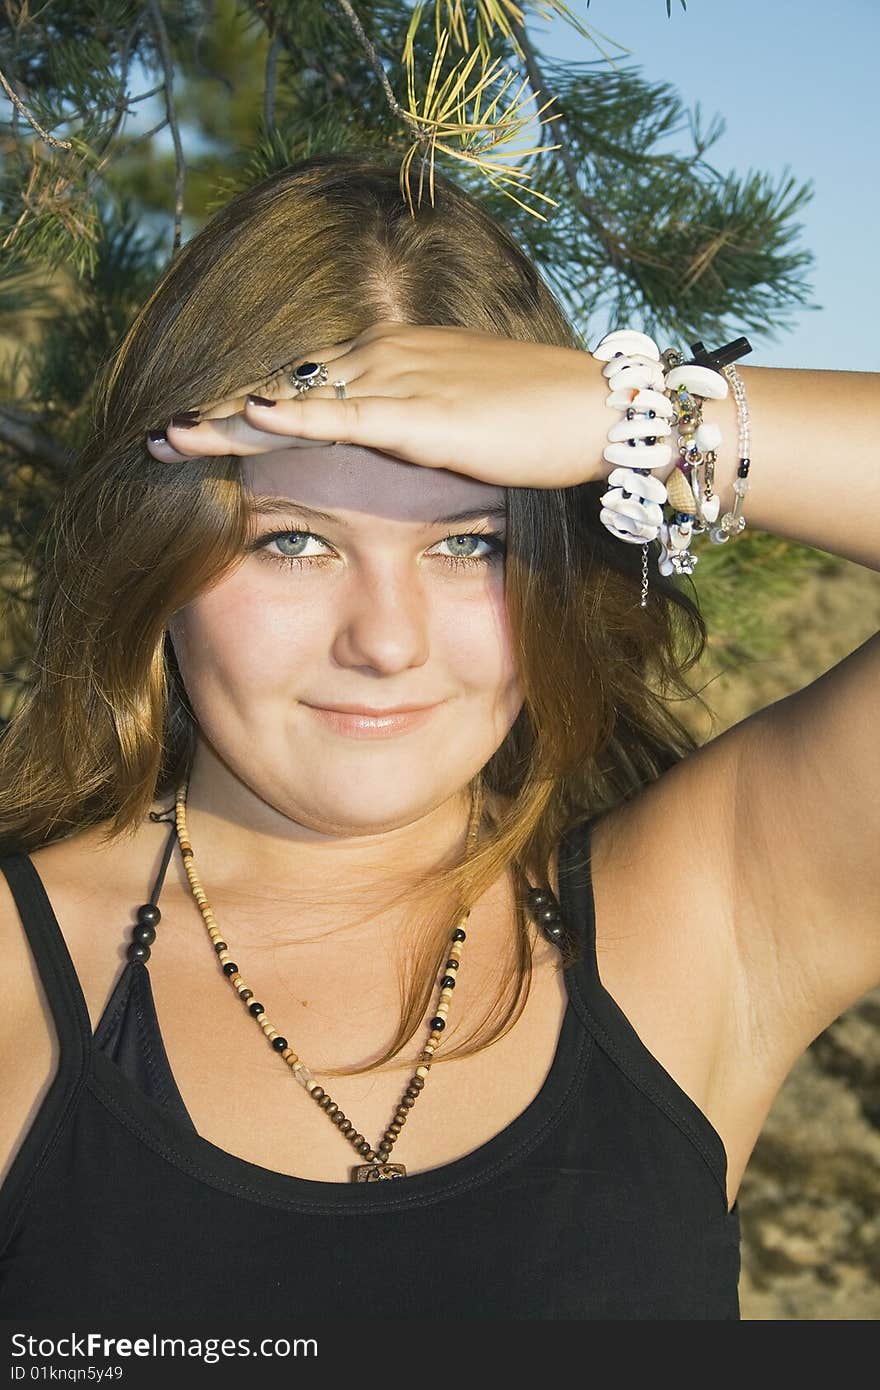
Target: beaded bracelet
point(657, 392)
point(689, 384)
point(732, 523)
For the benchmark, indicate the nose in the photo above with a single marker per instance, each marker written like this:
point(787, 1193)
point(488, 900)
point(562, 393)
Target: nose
point(385, 622)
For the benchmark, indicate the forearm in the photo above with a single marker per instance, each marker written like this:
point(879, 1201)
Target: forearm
point(815, 451)
point(815, 444)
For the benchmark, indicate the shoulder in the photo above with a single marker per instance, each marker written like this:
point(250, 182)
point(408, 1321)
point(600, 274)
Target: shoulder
point(85, 879)
point(27, 1071)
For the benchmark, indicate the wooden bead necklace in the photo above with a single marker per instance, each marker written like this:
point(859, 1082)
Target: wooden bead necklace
point(377, 1166)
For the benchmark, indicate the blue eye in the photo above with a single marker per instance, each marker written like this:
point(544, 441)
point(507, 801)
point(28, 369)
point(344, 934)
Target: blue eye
point(491, 539)
point(493, 542)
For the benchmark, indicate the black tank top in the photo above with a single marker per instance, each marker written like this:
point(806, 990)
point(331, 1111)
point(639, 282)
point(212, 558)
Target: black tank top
point(604, 1199)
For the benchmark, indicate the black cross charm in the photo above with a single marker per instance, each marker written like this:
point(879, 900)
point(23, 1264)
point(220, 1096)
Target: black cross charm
point(721, 357)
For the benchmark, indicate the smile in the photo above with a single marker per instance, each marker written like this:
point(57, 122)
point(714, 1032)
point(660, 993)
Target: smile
point(360, 725)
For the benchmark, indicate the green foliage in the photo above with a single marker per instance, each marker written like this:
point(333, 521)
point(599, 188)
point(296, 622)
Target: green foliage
point(92, 317)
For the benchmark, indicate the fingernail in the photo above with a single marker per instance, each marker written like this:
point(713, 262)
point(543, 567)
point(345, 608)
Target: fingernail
point(260, 400)
point(158, 437)
point(185, 422)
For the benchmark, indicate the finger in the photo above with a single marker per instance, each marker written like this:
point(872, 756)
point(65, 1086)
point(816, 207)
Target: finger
point(338, 358)
point(163, 451)
point(378, 422)
point(232, 405)
point(233, 434)
point(378, 380)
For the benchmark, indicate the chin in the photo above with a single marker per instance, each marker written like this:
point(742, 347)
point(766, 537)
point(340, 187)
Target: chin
point(369, 811)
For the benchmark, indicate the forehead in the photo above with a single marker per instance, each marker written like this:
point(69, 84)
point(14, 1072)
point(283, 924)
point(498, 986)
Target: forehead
point(348, 477)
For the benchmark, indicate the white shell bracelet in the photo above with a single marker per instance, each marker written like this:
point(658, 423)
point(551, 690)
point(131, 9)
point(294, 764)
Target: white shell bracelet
point(631, 508)
point(658, 393)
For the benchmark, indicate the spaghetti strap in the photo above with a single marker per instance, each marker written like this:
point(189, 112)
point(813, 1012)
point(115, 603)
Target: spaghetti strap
point(606, 1021)
point(164, 818)
point(56, 969)
point(72, 1025)
point(70, 1014)
point(573, 872)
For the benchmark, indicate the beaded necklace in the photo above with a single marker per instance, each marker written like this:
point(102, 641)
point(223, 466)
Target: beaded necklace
point(377, 1166)
point(543, 907)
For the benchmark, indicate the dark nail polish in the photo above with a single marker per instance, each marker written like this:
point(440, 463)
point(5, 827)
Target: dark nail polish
point(260, 400)
point(185, 422)
point(158, 437)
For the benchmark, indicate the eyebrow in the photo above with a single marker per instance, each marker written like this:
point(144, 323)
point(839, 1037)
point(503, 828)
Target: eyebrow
point(269, 506)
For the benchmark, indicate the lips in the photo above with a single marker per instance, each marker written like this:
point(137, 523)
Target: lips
point(370, 712)
point(354, 722)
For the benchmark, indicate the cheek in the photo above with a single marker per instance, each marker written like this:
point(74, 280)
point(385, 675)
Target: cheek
point(238, 661)
point(472, 638)
point(243, 633)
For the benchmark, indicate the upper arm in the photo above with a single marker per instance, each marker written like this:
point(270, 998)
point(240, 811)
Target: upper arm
point(804, 868)
point(29, 1053)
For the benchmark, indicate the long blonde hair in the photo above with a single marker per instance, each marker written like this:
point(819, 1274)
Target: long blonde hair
point(315, 253)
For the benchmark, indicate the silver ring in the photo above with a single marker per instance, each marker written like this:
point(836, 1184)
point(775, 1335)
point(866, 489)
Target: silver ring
point(307, 375)
point(339, 388)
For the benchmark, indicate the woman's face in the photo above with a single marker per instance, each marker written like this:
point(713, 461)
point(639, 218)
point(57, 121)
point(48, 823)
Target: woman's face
point(382, 603)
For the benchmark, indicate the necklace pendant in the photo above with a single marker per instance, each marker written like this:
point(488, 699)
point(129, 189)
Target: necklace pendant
point(377, 1172)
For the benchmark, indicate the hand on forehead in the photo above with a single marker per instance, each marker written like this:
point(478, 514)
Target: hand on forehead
point(496, 410)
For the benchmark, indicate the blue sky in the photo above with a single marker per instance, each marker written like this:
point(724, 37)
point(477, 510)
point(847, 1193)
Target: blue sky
point(797, 83)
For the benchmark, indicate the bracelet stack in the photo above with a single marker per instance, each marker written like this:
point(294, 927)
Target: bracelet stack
point(659, 393)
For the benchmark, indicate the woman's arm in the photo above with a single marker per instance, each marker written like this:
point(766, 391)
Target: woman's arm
point(794, 789)
point(815, 474)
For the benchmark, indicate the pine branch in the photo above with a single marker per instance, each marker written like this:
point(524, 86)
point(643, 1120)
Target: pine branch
point(32, 120)
point(394, 105)
point(168, 86)
point(275, 48)
point(613, 245)
point(121, 105)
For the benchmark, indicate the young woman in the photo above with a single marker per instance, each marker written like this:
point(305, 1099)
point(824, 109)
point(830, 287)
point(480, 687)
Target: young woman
point(326, 685)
